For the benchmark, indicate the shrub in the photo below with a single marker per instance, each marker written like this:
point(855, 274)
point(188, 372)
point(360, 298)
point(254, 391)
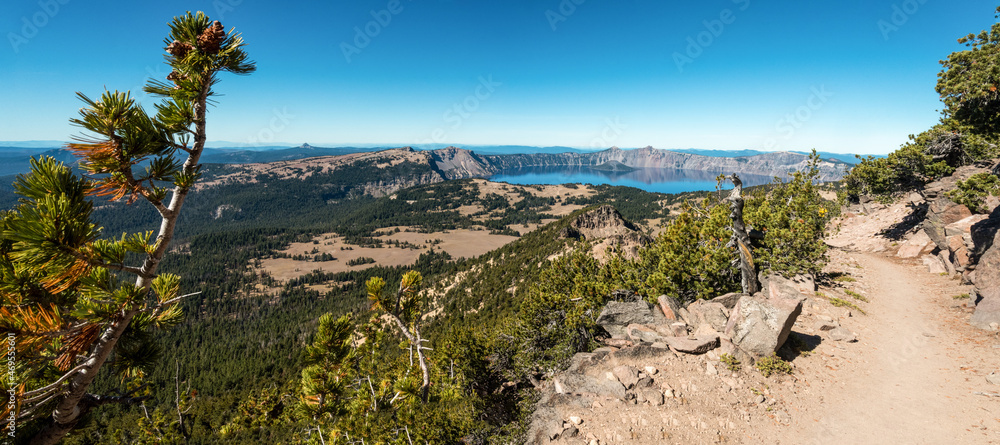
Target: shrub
point(973, 192)
point(773, 364)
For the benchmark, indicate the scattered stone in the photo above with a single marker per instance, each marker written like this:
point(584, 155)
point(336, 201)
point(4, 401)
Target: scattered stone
point(619, 342)
point(617, 315)
point(651, 395)
point(759, 326)
point(826, 325)
point(934, 264)
point(576, 420)
point(650, 370)
point(710, 369)
point(916, 245)
point(570, 431)
point(627, 375)
point(670, 306)
point(696, 345)
point(842, 334)
point(826, 318)
point(993, 378)
point(642, 333)
point(728, 300)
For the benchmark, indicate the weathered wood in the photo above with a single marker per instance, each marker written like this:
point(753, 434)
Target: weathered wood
point(741, 239)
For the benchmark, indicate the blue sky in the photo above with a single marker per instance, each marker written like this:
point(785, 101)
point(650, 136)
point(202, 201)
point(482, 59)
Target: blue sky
point(845, 76)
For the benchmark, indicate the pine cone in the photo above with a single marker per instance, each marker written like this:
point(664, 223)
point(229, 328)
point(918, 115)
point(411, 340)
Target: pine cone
point(179, 49)
point(176, 77)
point(211, 39)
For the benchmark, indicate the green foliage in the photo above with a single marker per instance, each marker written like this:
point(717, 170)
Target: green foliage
point(557, 318)
point(969, 80)
point(855, 295)
point(689, 259)
point(731, 362)
point(773, 364)
point(840, 302)
point(973, 192)
point(793, 217)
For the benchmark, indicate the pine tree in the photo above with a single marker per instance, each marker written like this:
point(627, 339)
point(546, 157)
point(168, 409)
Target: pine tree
point(66, 294)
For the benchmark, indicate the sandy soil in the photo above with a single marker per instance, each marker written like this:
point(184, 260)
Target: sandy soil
point(459, 243)
point(914, 374)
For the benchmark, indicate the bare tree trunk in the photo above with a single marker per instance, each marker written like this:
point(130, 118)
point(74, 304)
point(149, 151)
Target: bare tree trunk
point(741, 239)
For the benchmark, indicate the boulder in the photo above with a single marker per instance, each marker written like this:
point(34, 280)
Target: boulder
point(962, 226)
point(934, 264)
point(706, 312)
point(940, 213)
point(983, 233)
point(759, 325)
point(916, 245)
point(728, 300)
point(775, 286)
point(988, 287)
point(617, 315)
point(696, 345)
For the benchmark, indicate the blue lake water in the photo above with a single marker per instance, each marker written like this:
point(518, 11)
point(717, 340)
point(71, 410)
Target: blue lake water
point(648, 179)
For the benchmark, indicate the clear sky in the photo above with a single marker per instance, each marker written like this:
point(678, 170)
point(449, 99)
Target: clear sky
point(844, 76)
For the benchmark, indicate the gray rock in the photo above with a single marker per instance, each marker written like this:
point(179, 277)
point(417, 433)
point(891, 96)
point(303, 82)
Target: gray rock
point(993, 378)
point(642, 333)
point(696, 345)
point(987, 280)
point(617, 315)
point(655, 351)
point(759, 325)
point(651, 395)
point(823, 325)
point(712, 314)
point(842, 334)
point(627, 375)
point(588, 385)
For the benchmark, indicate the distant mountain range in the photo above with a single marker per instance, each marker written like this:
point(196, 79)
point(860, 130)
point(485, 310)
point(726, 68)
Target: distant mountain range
point(14, 155)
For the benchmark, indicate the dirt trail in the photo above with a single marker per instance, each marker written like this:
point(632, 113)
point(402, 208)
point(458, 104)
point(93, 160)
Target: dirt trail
point(911, 378)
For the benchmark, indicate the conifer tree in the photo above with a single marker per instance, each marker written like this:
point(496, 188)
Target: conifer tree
point(74, 301)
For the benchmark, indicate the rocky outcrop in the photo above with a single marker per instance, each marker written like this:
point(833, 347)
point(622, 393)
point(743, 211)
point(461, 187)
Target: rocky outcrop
point(606, 225)
point(987, 277)
point(618, 315)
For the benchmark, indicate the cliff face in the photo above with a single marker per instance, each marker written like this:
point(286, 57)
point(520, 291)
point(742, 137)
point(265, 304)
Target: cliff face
point(768, 164)
point(395, 169)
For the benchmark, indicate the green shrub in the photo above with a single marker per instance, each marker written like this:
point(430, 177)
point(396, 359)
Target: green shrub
point(773, 364)
point(731, 362)
point(973, 192)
